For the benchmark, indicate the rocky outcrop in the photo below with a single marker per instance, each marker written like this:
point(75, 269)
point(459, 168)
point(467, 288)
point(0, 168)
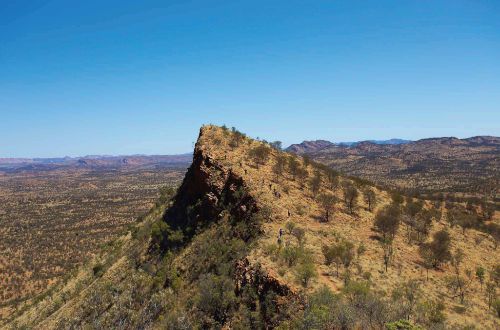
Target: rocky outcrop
point(210, 187)
point(246, 274)
point(207, 189)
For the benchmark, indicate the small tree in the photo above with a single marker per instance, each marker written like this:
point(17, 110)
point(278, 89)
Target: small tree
point(457, 283)
point(315, 183)
point(300, 235)
point(290, 226)
point(406, 295)
point(438, 251)
point(347, 257)
point(302, 175)
point(495, 274)
point(397, 198)
point(387, 221)
point(387, 251)
point(279, 166)
point(423, 224)
point(307, 160)
point(491, 293)
point(260, 154)
point(294, 166)
point(306, 271)
point(332, 177)
point(351, 197)
point(341, 253)
point(480, 272)
point(370, 198)
point(276, 145)
point(327, 201)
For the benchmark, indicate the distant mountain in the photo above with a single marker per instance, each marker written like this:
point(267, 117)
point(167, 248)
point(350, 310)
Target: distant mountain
point(94, 162)
point(309, 146)
point(390, 141)
point(316, 145)
point(445, 164)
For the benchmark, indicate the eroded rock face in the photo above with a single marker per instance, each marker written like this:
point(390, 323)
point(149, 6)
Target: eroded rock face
point(246, 274)
point(207, 189)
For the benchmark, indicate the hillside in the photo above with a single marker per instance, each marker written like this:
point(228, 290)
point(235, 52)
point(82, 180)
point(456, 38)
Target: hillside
point(258, 238)
point(466, 167)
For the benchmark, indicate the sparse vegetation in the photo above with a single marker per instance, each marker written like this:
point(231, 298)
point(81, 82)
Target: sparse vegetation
point(240, 246)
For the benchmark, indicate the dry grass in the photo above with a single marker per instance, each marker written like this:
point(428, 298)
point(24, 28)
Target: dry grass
point(52, 221)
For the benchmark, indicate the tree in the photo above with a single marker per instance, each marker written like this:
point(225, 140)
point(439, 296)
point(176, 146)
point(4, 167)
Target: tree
point(260, 154)
point(370, 198)
point(347, 257)
point(491, 293)
point(315, 183)
point(299, 234)
point(397, 198)
point(294, 166)
point(306, 271)
point(457, 283)
point(496, 306)
point(387, 251)
point(341, 253)
point(276, 145)
point(387, 221)
point(279, 166)
point(327, 201)
point(423, 224)
point(351, 197)
point(431, 313)
point(237, 138)
point(406, 295)
point(495, 274)
point(307, 160)
point(332, 177)
point(290, 226)
point(302, 175)
point(480, 272)
point(437, 251)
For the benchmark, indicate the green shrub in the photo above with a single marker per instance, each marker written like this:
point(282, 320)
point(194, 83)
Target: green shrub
point(305, 271)
point(98, 270)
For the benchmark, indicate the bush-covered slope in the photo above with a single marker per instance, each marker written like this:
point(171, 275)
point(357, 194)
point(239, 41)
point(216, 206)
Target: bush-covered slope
point(258, 238)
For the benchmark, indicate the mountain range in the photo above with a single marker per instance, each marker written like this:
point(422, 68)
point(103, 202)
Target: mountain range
point(468, 166)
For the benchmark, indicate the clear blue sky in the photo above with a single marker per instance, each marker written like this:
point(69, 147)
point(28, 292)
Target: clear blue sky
point(123, 77)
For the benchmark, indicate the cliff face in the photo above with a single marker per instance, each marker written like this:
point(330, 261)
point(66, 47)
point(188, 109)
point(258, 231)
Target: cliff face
point(208, 187)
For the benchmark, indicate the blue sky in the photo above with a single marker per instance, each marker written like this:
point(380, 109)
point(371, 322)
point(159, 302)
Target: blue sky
point(126, 77)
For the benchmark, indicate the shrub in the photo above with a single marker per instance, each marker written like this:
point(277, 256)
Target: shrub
point(98, 269)
point(496, 307)
point(291, 254)
point(438, 251)
point(306, 271)
point(260, 154)
point(290, 226)
point(299, 234)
